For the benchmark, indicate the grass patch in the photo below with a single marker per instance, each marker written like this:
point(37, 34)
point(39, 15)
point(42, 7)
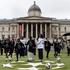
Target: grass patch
point(64, 59)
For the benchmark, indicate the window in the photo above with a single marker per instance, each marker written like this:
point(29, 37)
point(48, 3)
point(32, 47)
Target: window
point(13, 36)
point(3, 28)
point(3, 36)
point(9, 29)
point(55, 28)
point(9, 36)
point(13, 28)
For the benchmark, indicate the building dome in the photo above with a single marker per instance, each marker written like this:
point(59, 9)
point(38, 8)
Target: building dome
point(34, 10)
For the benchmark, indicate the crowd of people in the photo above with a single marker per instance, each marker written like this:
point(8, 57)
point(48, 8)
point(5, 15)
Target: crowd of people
point(23, 47)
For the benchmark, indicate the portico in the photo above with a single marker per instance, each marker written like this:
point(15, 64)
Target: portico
point(34, 29)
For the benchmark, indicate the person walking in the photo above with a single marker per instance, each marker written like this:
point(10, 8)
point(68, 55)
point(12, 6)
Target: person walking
point(12, 44)
point(57, 47)
point(23, 41)
point(48, 45)
point(68, 48)
point(1, 48)
point(18, 49)
point(31, 48)
point(40, 47)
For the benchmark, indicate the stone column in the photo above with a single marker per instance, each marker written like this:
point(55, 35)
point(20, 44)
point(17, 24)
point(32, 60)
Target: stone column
point(36, 31)
point(45, 30)
point(41, 29)
point(59, 30)
point(32, 30)
point(50, 30)
point(9, 31)
point(26, 30)
point(22, 29)
point(17, 30)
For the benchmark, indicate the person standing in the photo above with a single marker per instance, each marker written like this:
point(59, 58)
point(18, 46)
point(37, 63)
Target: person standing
point(40, 47)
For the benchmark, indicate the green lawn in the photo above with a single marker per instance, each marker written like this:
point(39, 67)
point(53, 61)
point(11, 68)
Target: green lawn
point(64, 59)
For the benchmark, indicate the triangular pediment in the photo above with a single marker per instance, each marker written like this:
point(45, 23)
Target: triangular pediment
point(34, 18)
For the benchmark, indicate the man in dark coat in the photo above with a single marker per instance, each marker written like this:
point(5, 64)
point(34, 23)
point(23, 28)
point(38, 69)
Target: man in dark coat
point(18, 49)
point(12, 44)
point(68, 48)
point(48, 45)
point(1, 48)
point(7, 47)
point(2, 45)
point(31, 49)
point(23, 41)
point(57, 47)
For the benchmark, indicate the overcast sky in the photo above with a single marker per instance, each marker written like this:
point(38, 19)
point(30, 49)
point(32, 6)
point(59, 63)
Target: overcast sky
point(50, 8)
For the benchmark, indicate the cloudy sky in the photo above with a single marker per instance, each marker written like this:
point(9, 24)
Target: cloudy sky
point(50, 8)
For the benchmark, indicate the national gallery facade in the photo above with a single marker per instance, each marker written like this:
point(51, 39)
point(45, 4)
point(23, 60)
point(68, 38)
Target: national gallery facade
point(33, 25)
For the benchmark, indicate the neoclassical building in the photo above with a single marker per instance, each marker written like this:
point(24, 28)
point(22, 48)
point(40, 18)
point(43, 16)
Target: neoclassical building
point(33, 25)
